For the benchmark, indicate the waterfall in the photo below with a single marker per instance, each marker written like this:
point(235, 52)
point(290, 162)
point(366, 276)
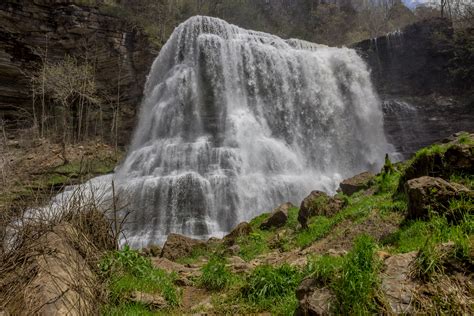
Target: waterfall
point(235, 122)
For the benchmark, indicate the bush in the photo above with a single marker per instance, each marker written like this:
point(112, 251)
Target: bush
point(355, 290)
point(215, 275)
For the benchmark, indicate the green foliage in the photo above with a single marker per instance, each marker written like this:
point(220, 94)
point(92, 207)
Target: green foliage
point(466, 180)
point(253, 245)
point(318, 228)
point(267, 284)
point(126, 271)
point(323, 268)
point(356, 288)
point(387, 182)
point(414, 235)
point(460, 207)
point(431, 150)
point(428, 262)
point(215, 275)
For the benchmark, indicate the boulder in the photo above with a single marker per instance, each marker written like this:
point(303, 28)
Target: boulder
point(459, 158)
point(356, 183)
point(318, 203)
point(152, 301)
point(428, 194)
point(178, 246)
point(313, 299)
point(243, 229)
point(278, 217)
point(151, 251)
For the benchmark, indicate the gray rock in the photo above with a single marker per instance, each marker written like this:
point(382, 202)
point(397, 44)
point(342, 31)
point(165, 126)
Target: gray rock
point(318, 203)
point(356, 183)
point(243, 229)
point(427, 195)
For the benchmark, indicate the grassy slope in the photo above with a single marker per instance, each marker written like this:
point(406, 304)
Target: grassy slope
point(353, 278)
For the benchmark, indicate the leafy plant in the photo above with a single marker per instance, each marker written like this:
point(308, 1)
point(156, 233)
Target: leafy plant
point(215, 275)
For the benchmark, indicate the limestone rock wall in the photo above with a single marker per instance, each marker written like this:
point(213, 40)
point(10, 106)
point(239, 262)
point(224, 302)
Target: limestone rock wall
point(122, 55)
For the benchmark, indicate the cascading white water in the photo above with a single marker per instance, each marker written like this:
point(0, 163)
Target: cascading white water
point(235, 122)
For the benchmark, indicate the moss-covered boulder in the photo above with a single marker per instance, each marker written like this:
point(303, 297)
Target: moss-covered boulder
point(319, 203)
point(357, 183)
point(428, 195)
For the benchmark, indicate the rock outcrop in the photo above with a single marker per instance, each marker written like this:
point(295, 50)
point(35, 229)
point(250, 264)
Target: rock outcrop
point(427, 195)
point(356, 183)
point(278, 217)
point(318, 203)
point(33, 30)
point(413, 61)
point(410, 70)
point(178, 246)
point(458, 158)
point(243, 229)
point(313, 299)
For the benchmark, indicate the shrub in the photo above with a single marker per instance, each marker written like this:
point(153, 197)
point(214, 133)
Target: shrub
point(355, 289)
point(215, 275)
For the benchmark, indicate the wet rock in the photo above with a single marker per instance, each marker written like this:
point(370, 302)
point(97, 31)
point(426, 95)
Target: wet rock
point(318, 203)
point(357, 183)
point(178, 246)
point(313, 299)
point(243, 229)
point(428, 195)
point(278, 217)
point(152, 301)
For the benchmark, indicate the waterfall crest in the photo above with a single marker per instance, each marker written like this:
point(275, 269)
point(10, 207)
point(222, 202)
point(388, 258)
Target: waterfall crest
point(234, 122)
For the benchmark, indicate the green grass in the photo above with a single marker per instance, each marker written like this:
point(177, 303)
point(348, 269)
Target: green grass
point(428, 263)
point(268, 285)
point(432, 150)
point(466, 180)
point(323, 268)
point(126, 271)
point(215, 275)
point(254, 244)
point(414, 235)
point(356, 288)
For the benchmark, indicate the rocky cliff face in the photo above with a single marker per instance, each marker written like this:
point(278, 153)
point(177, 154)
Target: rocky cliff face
point(410, 70)
point(31, 30)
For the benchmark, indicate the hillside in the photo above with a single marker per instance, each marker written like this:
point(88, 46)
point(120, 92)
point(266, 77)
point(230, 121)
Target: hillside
point(397, 242)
